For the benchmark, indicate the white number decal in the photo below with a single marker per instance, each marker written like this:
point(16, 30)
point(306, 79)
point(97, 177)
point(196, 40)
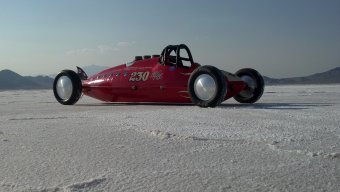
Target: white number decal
point(139, 76)
point(145, 76)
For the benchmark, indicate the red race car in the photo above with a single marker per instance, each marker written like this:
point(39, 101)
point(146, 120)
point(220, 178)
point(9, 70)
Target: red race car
point(172, 77)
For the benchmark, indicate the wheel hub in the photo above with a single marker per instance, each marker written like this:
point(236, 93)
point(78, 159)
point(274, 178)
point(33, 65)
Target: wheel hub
point(64, 87)
point(205, 87)
point(251, 86)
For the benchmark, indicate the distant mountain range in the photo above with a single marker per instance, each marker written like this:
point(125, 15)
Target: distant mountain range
point(329, 77)
point(10, 80)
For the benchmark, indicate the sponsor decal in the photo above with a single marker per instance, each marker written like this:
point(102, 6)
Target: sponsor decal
point(157, 75)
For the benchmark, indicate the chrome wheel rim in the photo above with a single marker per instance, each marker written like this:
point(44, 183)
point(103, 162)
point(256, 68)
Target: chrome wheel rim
point(205, 87)
point(64, 87)
point(251, 86)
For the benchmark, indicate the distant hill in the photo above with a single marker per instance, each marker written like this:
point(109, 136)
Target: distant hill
point(329, 77)
point(44, 82)
point(10, 80)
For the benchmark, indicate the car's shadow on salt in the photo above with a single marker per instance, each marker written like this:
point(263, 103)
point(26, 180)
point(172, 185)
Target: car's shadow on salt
point(131, 104)
point(277, 106)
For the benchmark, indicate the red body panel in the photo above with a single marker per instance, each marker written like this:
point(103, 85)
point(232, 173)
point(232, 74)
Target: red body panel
point(148, 81)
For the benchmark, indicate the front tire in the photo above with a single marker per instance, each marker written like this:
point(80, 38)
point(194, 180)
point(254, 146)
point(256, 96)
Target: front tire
point(255, 86)
point(67, 87)
point(207, 86)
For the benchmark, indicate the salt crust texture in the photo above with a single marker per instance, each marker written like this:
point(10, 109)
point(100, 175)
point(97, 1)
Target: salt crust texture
point(288, 141)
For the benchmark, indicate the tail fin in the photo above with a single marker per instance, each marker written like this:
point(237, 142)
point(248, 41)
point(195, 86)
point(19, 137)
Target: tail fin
point(81, 73)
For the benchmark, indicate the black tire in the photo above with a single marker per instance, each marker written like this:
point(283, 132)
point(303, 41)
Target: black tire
point(76, 87)
point(220, 83)
point(255, 88)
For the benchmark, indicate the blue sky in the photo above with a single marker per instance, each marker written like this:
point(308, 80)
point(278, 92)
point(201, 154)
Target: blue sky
point(278, 38)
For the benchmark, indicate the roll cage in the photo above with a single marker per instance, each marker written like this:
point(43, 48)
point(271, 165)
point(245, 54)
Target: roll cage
point(168, 58)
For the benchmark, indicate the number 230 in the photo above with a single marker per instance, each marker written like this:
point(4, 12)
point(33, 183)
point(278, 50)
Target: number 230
point(139, 76)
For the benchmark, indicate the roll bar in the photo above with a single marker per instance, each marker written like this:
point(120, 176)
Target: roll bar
point(177, 48)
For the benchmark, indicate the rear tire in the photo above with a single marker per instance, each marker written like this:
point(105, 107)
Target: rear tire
point(67, 87)
point(207, 86)
point(255, 86)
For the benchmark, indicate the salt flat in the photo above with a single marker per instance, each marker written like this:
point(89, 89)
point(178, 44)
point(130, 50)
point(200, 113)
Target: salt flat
point(288, 141)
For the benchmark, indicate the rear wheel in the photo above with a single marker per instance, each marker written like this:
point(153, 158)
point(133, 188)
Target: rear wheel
point(67, 87)
point(207, 86)
point(255, 86)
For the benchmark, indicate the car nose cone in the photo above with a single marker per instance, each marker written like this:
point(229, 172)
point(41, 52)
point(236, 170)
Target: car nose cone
point(64, 87)
point(205, 87)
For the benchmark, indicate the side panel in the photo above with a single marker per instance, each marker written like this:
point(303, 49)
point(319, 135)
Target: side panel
point(174, 84)
point(143, 81)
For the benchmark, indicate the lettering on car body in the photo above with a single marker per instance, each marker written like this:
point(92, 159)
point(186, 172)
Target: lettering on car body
point(139, 76)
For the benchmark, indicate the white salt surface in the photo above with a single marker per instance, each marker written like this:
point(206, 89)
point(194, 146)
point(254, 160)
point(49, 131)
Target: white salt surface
point(288, 141)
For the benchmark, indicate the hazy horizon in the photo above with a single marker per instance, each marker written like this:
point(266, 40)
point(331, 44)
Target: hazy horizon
point(278, 38)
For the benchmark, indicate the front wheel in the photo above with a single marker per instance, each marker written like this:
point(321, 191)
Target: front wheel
point(207, 86)
point(254, 86)
point(67, 87)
